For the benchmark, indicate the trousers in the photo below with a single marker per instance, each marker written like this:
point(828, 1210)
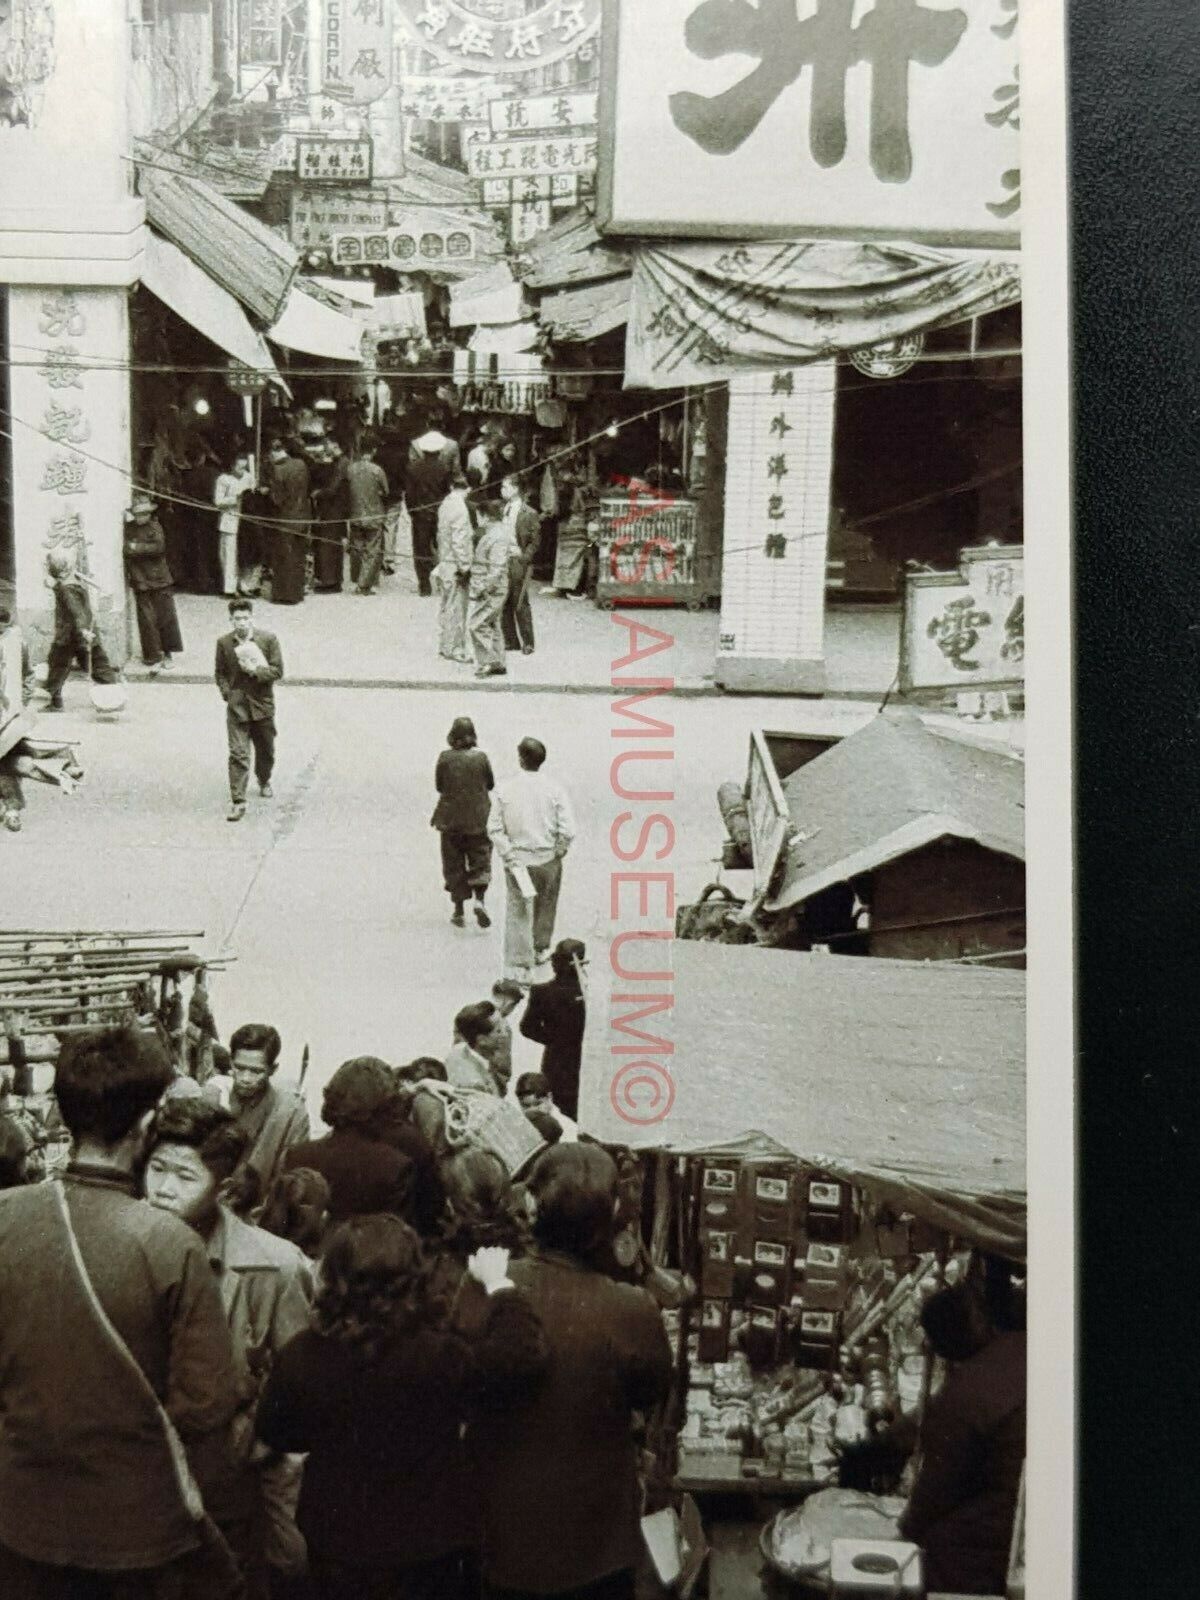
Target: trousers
point(58, 665)
point(244, 737)
point(484, 612)
point(517, 619)
point(158, 623)
point(529, 926)
point(466, 864)
point(424, 542)
point(366, 554)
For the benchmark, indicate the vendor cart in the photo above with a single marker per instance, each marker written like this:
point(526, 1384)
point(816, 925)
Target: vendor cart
point(647, 552)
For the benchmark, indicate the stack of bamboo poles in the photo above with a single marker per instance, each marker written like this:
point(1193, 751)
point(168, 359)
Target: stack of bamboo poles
point(57, 982)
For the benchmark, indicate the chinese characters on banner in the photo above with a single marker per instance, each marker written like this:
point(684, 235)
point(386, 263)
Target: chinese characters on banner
point(543, 113)
point(447, 99)
point(563, 191)
point(547, 156)
point(848, 118)
point(333, 160)
point(528, 219)
point(966, 629)
point(779, 461)
point(475, 33)
point(317, 214)
point(358, 48)
point(63, 479)
point(403, 248)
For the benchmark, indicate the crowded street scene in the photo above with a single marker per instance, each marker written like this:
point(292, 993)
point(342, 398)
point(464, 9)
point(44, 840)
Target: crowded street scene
point(512, 727)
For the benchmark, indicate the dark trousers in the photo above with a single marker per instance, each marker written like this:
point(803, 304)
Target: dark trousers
point(366, 554)
point(446, 1578)
point(329, 550)
point(58, 665)
point(615, 1586)
point(466, 865)
point(424, 541)
point(158, 624)
point(205, 1574)
point(243, 738)
point(517, 618)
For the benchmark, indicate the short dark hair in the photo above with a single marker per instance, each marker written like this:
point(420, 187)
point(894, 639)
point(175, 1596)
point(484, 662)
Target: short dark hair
point(208, 1129)
point(575, 1186)
point(358, 1092)
point(257, 1036)
point(473, 1021)
point(565, 954)
point(423, 1067)
point(509, 988)
point(531, 753)
point(490, 510)
point(462, 735)
point(107, 1079)
point(296, 1208)
point(240, 603)
point(533, 1083)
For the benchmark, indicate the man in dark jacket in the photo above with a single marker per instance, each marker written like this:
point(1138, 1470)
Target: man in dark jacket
point(249, 665)
point(152, 584)
point(555, 1017)
point(525, 532)
point(94, 1497)
point(74, 629)
point(432, 461)
point(373, 1159)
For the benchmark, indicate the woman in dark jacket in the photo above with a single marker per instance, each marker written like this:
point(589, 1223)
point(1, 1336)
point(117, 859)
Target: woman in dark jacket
point(464, 780)
point(376, 1394)
point(483, 1210)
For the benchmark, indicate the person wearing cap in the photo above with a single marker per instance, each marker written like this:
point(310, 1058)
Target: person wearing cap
point(152, 585)
point(74, 629)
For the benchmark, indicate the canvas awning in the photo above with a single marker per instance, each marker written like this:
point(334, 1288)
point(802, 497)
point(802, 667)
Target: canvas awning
point(585, 313)
point(237, 251)
point(903, 1078)
point(313, 326)
point(204, 305)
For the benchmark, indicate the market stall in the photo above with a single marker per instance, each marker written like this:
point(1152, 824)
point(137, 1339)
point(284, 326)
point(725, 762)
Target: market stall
point(896, 1147)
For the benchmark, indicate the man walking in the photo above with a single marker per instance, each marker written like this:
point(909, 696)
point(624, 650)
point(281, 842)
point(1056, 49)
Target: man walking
point(524, 532)
point(153, 586)
point(532, 827)
point(456, 551)
point(74, 630)
point(249, 665)
point(119, 1375)
point(368, 507)
point(487, 592)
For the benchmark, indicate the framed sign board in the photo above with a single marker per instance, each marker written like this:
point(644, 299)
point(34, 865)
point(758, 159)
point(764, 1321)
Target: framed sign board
point(966, 629)
point(868, 119)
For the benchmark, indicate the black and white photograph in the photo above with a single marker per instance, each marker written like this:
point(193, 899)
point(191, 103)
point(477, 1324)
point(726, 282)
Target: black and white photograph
point(524, 1088)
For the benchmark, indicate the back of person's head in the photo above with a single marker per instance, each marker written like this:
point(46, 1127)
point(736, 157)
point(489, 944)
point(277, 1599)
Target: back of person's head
point(567, 953)
point(531, 753)
point(297, 1208)
point(16, 1145)
point(507, 990)
point(423, 1067)
point(107, 1080)
point(956, 1323)
point(367, 446)
point(482, 1206)
point(575, 1189)
point(462, 734)
point(459, 480)
point(490, 510)
point(358, 1092)
point(533, 1086)
point(257, 1036)
point(474, 1021)
point(374, 1284)
point(208, 1129)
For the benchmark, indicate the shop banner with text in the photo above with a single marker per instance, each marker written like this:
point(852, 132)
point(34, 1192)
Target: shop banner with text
point(702, 312)
point(477, 34)
point(357, 49)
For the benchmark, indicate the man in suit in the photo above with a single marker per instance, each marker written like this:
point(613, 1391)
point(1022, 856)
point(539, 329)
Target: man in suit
point(249, 665)
point(555, 1018)
point(524, 532)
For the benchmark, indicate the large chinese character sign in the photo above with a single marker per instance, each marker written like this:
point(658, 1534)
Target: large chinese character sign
point(357, 49)
point(966, 629)
point(879, 118)
point(472, 33)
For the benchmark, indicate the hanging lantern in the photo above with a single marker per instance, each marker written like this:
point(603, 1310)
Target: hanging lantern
point(891, 359)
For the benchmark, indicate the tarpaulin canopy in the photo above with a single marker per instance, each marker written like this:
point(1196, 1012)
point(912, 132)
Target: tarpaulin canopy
point(204, 305)
point(904, 1078)
point(313, 325)
point(702, 312)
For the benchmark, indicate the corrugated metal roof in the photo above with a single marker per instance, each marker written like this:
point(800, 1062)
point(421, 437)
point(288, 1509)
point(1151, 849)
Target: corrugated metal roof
point(235, 249)
point(889, 789)
point(904, 1077)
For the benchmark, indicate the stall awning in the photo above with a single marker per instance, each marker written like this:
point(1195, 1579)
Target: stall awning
point(705, 311)
point(901, 1077)
point(587, 313)
point(313, 327)
point(205, 306)
point(237, 251)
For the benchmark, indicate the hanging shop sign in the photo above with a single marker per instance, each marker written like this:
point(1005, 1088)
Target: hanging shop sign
point(357, 44)
point(260, 33)
point(966, 629)
point(333, 160)
point(403, 249)
point(470, 33)
point(543, 113)
point(880, 120)
point(317, 214)
point(527, 219)
point(448, 99)
point(891, 359)
point(532, 157)
point(563, 191)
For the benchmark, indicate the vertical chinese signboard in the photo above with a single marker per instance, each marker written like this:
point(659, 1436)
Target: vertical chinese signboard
point(966, 629)
point(358, 49)
point(777, 482)
point(866, 118)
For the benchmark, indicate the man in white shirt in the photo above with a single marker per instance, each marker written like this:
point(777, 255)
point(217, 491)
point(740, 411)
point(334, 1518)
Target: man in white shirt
point(478, 1034)
point(531, 827)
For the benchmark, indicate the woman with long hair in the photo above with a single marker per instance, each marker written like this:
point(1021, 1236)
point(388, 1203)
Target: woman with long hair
point(377, 1393)
point(464, 782)
point(484, 1210)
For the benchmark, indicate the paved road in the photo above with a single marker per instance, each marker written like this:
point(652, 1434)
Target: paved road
point(331, 895)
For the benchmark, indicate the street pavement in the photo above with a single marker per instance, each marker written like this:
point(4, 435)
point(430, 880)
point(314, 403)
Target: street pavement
point(330, 896)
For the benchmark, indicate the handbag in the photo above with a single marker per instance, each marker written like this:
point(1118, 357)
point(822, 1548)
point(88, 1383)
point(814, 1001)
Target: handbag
point(486, 1122)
